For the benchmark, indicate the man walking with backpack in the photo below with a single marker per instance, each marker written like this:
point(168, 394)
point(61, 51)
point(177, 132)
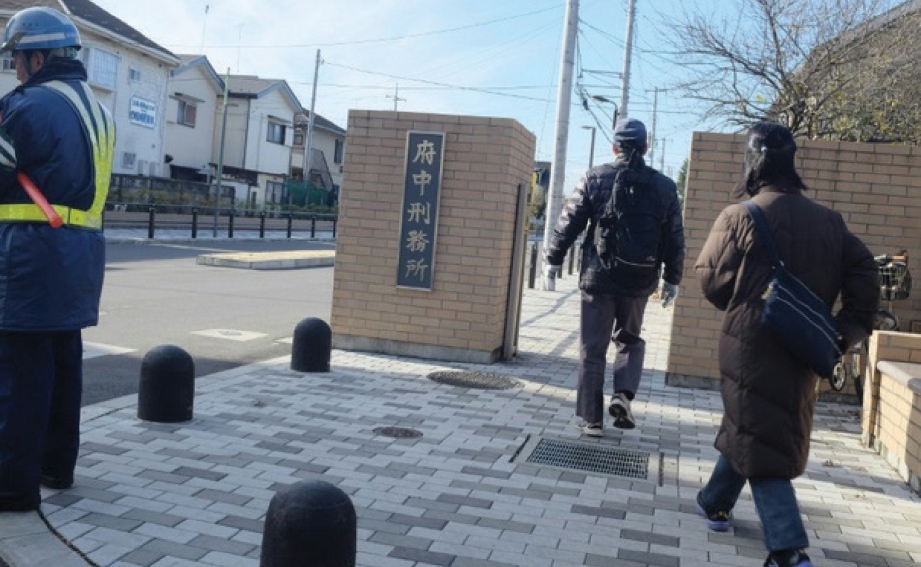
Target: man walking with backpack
point(635, 236)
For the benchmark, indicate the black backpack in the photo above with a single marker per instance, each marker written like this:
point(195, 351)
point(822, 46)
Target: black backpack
point(628, 237)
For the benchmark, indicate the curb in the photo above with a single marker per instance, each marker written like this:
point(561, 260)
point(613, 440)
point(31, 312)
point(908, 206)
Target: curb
point(292, 259)
point(27, 541)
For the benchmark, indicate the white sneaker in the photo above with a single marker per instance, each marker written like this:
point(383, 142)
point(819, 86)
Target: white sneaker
point(620, 411)
point(591, 429)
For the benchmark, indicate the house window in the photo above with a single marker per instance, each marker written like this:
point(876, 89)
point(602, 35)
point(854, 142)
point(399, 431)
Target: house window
point(8, 63)
point(273, 192)
point(128, 160)
point(186, 114)
point(103, 68)
point(298, 139)
point(134, 76)
point(276, 133)
point(337, 154)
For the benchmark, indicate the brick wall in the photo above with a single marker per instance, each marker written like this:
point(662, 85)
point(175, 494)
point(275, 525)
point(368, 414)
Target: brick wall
point(877, 188)
point(891, 417)
point(463, 316)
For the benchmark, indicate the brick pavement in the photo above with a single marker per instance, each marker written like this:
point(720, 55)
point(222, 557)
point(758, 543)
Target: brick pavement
point(463, 493)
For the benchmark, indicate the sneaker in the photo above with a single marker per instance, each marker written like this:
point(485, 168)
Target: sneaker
point(788, 558)
point(591, 429)
point(716, 521)
point(620, 411)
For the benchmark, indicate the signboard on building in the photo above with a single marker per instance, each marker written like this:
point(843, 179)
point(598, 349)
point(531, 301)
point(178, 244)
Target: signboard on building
point(142, 112)
point(419, 223)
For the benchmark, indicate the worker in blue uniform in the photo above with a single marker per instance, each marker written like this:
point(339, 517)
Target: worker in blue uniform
point(54, 131)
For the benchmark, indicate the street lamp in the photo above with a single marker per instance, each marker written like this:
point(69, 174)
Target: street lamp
point(600, 98)
point(591, 152)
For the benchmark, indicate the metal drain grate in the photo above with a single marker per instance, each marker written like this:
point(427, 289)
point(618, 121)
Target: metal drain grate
point(591, 458)
point(479, 380)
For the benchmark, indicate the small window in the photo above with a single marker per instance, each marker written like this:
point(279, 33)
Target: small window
point(8, 63)
point(337, 154)
point(187, 112)
point(298, 139)
point(128, 160)
point(276, 133)
point(134, 75)
point(103, 68)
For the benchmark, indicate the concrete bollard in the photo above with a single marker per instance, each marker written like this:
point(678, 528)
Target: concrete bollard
point(311, 346)
point(167, 387)
point(309, 524)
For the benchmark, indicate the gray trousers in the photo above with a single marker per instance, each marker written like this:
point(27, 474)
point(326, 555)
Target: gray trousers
point(606, 318)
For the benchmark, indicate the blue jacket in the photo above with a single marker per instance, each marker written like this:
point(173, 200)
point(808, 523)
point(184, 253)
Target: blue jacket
point(50, 279)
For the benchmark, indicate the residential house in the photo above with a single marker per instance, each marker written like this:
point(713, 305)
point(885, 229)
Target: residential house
point(253, 141)
point(192, 119)
point(327, 150)
point(127, 71)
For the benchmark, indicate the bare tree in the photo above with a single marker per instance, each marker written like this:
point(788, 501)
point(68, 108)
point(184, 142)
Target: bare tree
point(806, 63)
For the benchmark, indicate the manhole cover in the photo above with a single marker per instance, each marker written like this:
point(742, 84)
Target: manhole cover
point(591, 458)
point(398, 432)
point(479, 380)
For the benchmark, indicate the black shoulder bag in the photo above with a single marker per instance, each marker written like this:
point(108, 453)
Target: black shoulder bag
point(793, 314)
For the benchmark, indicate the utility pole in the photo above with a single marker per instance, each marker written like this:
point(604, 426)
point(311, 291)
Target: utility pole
point(652, 131)
point(591, 151)
point(628, 50)
point(563, 101)
point(396, 97)
point(661, 159)
point(308, 141)
point(220, 155)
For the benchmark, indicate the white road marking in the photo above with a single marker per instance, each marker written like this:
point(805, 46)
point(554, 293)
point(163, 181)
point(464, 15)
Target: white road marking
point(93, 350)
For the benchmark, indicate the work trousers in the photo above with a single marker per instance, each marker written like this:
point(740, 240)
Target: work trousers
point(605, 318)
point(41, 384)
point(775, 500)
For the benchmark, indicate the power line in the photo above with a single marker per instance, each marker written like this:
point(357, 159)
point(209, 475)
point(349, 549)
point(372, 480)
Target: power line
point(386, 39)
point(427, 82)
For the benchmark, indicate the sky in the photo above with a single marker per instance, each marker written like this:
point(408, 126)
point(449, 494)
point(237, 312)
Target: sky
point(468, 57)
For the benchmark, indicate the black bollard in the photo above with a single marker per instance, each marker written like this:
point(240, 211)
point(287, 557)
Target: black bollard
point(311, 346)
point(167, 387)
point(309, 524)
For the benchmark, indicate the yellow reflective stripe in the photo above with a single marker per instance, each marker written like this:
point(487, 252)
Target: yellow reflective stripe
point(101, 131)
point(29, 212)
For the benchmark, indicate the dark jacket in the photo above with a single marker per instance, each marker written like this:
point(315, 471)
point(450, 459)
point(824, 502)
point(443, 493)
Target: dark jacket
point(586, 205)
point(50, 279)
point(768, 396)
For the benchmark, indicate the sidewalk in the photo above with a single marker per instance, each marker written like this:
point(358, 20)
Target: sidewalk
point(497, 478)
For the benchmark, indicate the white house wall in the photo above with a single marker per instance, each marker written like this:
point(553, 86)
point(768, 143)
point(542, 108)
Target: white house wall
point(262, 155)
point(192, 146)
point(235, 131)
point(145, 142)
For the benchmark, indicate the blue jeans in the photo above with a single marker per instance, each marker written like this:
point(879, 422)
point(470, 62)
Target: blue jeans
point(775, 501)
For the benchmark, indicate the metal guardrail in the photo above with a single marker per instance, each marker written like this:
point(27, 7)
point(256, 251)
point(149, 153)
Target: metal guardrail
point(195, 220)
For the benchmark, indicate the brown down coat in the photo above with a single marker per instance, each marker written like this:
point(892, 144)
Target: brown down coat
point(769, 397)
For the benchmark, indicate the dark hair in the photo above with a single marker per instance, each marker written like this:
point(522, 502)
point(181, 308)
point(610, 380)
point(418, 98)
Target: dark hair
point(769, 160)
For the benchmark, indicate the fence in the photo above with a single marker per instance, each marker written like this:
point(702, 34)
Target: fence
point(224, 221)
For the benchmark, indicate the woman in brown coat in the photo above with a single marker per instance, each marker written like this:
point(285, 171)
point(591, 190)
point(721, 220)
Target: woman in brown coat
point(768, 396)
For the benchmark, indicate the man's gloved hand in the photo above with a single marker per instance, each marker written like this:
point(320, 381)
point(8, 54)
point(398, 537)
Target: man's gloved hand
point(669, 293)
point(550, 273)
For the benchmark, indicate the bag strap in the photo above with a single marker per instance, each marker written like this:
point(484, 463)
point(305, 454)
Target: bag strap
point(761, 226)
